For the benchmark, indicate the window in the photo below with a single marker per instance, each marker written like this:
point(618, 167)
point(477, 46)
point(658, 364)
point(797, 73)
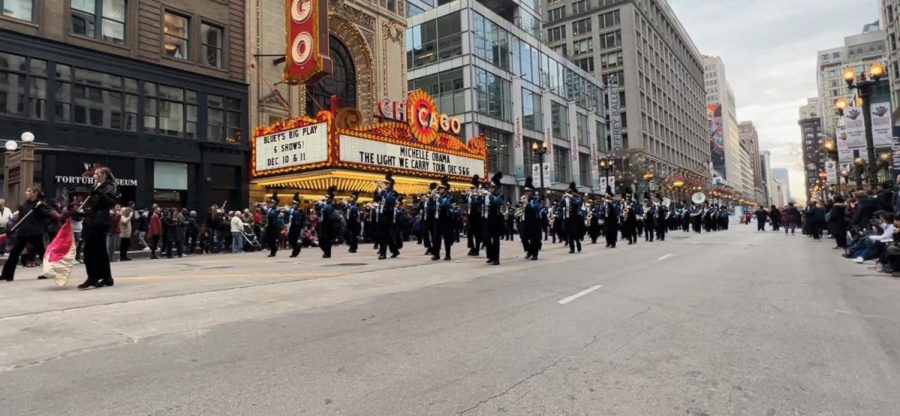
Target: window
point(560, 164)
point(580, 27)
point(13, 81)
point(532, 112)
point(583, 46)
point(102, 19)
point(580, 6)
point(412, 10)
point(492, 42)
point(611, 60)
point(95, 98)
point(582, 130)
point(609, 19)
point(556, 14)
point(170, 110)
point(586, 64)
point(211, 37)
point(560, 119)
point(494, 97)
point(610, 40)
point(447, 89)
point(176, 37)
point(224, 119)
point(556, 34)
point(434, 41)
point(18, 9)
point(497, 149)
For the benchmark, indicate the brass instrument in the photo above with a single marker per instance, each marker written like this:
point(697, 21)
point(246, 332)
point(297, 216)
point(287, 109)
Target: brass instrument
point(590, 214)
point(380, 186)
point(520, 210)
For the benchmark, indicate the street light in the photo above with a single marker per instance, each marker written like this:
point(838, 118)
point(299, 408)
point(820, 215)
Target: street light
point(860, 167)
point(606, 165)
point(540, 151)
point(864, 87)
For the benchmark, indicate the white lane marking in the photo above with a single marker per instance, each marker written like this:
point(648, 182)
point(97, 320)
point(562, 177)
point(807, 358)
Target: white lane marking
point(666, 256)
point(578, 295)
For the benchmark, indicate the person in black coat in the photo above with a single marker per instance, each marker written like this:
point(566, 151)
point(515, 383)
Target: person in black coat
point(761, 219)
point(815, 216)
point(96, 210)
point(865, 210)
point(837, 222)
point(33, 218)
point(775, 216)
point(885, 198)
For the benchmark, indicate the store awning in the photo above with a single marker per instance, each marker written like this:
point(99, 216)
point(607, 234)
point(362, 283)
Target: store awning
point(351, 180)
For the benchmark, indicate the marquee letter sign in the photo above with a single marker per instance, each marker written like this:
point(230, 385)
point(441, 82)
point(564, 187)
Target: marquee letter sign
point(424, 119)
point(306, 56)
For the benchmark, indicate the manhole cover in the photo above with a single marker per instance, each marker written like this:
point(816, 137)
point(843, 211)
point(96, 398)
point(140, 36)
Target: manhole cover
point(345, 264)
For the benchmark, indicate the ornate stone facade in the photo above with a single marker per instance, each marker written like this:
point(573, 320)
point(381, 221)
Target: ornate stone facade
point(374, 35)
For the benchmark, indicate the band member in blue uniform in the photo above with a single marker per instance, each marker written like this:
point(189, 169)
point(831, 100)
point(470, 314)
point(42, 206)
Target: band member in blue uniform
point(429, 207)
point(298, 220)
point(596, 219)
point(662, 219)
point(572, 202)
point(612, 212)
point(401, 223)
point(494, 202)
point(351, 211)
point(329, 224)
point(509, 218)
point(475, 227)
point(650, 218)
point(273, 225)
point(443, 227)
point(629, 220)
point(387, 200)
point(531, 222)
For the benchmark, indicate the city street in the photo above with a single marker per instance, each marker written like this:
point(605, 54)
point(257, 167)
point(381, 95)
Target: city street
point(727, 323)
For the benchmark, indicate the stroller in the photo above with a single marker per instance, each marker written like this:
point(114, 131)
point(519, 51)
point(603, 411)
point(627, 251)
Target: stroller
point(251, 243)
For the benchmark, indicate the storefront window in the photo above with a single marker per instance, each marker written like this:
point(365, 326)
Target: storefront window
point(223, 119)
point(170, 110)
point(170, 176)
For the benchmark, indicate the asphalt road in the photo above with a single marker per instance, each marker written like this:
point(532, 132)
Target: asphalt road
point(728, 323)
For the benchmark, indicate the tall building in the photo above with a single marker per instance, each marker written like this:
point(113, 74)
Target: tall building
point(783, 175)
point(157, 92)
point(765, 171)
point(750, 175)
point(780, 193)
point(725, 146)
point(812, 137)
point(484, 63)
point(658, 68)
point(859, 52)
point(890, 15)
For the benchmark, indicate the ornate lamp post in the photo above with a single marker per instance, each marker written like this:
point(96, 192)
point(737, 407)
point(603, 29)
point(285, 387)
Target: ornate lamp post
point(19, 168)
point(540, 151)
point(860, 167)
point(605, 165)
point(864, 86)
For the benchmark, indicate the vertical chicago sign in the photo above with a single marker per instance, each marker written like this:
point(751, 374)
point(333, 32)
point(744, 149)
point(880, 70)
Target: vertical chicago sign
point(306, 56)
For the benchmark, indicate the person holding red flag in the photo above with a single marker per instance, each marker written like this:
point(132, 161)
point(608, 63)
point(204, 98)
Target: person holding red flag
point(31, 225)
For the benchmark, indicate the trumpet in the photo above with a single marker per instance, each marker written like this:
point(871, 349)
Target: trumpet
point(520, 209)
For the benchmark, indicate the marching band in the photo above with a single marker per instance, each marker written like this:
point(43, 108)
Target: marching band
point(488, 219)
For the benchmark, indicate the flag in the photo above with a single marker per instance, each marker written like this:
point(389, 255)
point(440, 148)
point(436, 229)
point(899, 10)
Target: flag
point(60, 255)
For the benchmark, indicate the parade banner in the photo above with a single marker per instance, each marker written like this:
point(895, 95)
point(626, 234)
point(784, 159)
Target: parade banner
point(880, 114)
point(896, 152)
point(856, 128)
point(602, 184)
point(536, 174)
point(716, 138)
point(292, 148)
point(611, 183)
point(845, 153)
point(615, 116)
point(831, 170)
point(59, 258)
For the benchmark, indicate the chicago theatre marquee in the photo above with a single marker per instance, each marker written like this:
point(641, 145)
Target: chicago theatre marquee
point(329, 78)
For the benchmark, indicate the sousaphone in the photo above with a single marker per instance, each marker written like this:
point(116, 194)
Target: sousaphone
point(698, 198)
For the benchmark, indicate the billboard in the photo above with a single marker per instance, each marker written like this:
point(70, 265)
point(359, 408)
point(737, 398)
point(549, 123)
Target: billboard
point(716, 137)
point(306, 54)
point(292, 148)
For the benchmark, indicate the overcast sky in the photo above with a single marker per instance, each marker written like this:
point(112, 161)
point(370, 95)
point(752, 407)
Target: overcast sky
point(769, 49)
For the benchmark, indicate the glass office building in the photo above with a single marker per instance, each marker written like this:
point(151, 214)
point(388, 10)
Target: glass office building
point(485, 63)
